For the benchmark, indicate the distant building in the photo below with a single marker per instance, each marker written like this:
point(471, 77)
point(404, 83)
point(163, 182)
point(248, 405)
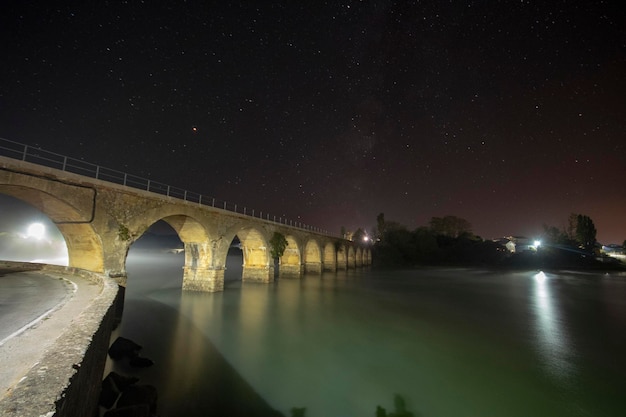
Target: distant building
point(518, 244)
point(614, 251)
point(612, 248)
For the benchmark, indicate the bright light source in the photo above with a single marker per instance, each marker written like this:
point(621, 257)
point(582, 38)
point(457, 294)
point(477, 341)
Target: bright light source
point(540, 277)
point(36, 230)
point(537, 243)
point(366, 238)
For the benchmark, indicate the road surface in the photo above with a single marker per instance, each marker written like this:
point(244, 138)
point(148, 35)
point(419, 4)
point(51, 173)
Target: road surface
point(36, 307)
point(28, 297)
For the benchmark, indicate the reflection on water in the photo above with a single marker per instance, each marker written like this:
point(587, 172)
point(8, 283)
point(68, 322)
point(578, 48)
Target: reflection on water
point(453, 342)
point(553, 343)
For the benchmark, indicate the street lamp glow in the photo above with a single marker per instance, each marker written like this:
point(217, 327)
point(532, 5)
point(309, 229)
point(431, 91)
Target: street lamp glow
point(36, 230)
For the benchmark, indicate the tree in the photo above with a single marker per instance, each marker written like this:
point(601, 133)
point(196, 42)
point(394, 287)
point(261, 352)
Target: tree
point(450, 226)
point(572, 221)
point(358, 235)
point(278, 244)
point(585, 232)
point(380, 225)
point(425, 244)
point(552, 234)
point(343, 232)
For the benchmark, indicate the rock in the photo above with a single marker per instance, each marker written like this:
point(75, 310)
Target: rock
point(108, 393)
point(123, 347)
point(112, 387)
point(138, 395)
point(139, 362)
point(139, 410)
point(121, 381)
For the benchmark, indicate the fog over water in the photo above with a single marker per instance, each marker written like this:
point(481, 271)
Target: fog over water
point(452, 342)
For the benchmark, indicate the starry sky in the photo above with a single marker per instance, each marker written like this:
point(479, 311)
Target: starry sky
point(510, 114)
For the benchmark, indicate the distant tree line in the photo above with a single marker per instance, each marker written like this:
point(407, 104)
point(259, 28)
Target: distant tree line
point(580, 232)
point(449, 240)
point(446, 240)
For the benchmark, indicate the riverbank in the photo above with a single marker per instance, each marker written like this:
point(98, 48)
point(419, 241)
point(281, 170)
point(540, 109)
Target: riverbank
point(57, 364)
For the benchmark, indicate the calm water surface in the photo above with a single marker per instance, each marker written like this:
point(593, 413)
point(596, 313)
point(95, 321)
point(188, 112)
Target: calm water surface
point(452, 342)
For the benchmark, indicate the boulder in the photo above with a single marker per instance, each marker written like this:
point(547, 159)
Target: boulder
point(122, 348)
point(138, 395)
point(112, 387)
point(139, 362)
point(140, 410)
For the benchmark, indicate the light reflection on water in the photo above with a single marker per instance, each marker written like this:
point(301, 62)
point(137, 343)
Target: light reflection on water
point(452, 342)
point(553, 342)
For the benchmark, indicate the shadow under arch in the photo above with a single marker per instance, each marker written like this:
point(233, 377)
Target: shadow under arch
point(154, 260)
point(84, 245)
point(201, 271)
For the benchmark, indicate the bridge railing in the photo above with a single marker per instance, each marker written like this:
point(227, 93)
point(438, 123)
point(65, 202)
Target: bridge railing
point(36, 155)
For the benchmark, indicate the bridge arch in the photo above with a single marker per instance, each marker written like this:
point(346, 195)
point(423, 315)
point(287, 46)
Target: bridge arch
point(358, 256)
point(351, 259)
point(257, 263)
point(312, 257)
point(201, 272)
point(291, 261)
point(330, 257)
point(342, 257)
point(99, 220)
point(367, 258)
point(84, 244)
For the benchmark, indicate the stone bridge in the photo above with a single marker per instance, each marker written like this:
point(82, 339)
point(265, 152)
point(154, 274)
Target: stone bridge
point(100, 220)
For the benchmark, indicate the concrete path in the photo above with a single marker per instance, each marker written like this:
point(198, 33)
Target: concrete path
point(35, 308)
point(28, 297)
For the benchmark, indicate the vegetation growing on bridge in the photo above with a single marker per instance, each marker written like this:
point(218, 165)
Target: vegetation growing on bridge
point(278, 244)
point(123, 233)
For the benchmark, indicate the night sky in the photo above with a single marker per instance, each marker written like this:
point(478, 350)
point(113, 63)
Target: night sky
point(510, 114)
